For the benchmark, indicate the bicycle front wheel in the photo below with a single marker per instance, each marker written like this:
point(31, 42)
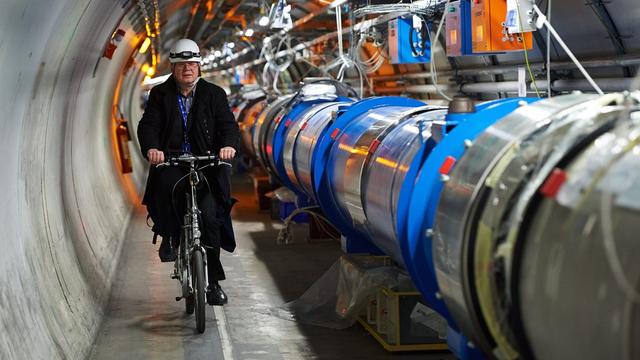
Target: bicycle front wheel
point(197, 278)
point(189, 301)
point(189, 304)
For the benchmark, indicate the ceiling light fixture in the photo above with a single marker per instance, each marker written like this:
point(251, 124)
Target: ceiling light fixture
point(145, 46)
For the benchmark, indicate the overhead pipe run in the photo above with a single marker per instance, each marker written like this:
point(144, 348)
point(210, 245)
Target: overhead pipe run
point(608, 84)
point(629, 60)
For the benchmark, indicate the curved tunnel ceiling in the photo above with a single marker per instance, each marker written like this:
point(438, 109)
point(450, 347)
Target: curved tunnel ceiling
point(65, 202)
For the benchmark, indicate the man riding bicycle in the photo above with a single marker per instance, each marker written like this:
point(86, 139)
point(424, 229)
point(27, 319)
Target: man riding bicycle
point(186, 114)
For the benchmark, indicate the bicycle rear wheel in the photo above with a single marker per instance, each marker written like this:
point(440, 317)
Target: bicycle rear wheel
point(198, 290)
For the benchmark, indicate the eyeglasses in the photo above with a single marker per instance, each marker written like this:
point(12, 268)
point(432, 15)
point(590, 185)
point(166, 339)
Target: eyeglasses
point(190, 64)
point(184, 55)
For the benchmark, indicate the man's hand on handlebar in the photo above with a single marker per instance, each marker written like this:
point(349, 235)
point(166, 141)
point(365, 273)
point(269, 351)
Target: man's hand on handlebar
point(155, 156)
point(227, 153)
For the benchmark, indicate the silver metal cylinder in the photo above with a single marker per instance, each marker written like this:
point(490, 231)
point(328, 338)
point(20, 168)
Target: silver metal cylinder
point(262, 126)
point(305, 147)
point(579, 279)
point(511, 191)
point(531, 171)
point(300, 143)
point(349, 156)
point(386, 172)
point(247, 126)
point(269, 138)
point(455, 228)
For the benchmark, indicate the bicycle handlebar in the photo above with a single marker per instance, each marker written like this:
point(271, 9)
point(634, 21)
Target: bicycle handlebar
point(188, 159)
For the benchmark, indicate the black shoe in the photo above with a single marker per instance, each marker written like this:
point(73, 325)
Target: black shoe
point(215, 295)
point(166, 252)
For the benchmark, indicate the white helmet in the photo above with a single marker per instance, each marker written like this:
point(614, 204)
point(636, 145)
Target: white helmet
point(185, 50)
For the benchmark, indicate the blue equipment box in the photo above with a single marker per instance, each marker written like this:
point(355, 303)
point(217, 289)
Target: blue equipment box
point(406, 44)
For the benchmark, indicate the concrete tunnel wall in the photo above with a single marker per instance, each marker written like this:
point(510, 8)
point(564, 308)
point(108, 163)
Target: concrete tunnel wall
point(64, 207)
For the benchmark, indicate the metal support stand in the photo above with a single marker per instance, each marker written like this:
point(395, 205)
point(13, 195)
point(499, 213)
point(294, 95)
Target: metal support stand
point(461, 347)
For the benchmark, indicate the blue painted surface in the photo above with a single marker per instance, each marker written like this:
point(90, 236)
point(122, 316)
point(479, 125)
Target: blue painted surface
point(414, 171)
point(311, 119)
point(420, 211)
point(280, 136)
point(279, 139)
point(465, 23)
point(401, 36)
point(321, 182)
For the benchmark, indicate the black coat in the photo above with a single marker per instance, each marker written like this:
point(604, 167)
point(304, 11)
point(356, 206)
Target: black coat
point(211, 126)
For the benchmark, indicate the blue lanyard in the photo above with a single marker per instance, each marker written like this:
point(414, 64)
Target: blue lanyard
point(186, 145)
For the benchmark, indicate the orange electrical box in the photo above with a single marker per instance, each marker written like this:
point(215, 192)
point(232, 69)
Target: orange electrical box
point(489, 33)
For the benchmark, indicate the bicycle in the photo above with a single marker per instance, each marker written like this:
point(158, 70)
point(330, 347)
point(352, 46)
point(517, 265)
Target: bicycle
point(191, 262)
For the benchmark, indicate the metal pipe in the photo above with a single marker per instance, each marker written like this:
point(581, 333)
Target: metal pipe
point(301, 141)
point(387, 169)
point(431, 89)
point(607, 84)
point(490, 87)
point(305, 19)
point(263, 126)
point(226, 18)
point(196, 11)
point(630, 60)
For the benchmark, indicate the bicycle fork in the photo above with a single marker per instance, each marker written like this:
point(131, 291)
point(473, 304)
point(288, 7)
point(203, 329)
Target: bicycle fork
point(194, 213)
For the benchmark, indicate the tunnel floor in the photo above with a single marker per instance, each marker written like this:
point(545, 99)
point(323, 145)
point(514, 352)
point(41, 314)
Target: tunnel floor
point(144, 321)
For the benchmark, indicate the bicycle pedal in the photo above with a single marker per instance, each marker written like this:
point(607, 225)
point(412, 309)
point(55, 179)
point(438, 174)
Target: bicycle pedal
point(174, 276)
